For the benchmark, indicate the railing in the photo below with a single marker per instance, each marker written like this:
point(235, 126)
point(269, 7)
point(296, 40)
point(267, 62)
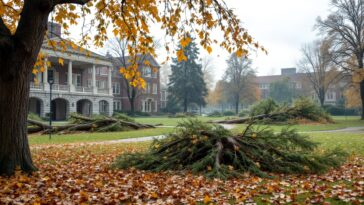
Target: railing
point(83, 89)
point(66, 88)
point(103, 91)
point(58, 87)
point(36, 86)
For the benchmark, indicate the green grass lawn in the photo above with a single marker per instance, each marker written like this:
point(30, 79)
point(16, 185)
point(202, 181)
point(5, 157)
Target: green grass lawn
point(166, 121)
point(352, 143)
point(96, 137)
point(341, 122)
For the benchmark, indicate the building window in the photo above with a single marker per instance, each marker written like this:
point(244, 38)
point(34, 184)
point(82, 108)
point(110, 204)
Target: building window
point(298, 86)
point(89, 83)
point(147, 72)
point(100, 84)
point(155, 88)
point(117, 105)
point(147, 88)
point(116, 88)
point(330, 96)
point(103, 107)
point(102, 71)
point(264, 86)
point(154, 74)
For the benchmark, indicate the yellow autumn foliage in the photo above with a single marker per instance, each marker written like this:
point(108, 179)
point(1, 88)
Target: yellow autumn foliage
point(133, 20)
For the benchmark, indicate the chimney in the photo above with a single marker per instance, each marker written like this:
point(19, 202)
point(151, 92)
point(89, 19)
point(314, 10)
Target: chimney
point(54, 30)
point(288, 71)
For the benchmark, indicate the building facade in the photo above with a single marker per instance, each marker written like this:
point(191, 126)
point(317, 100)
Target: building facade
point(88, 83)
point(302, 85)
point(146, 100)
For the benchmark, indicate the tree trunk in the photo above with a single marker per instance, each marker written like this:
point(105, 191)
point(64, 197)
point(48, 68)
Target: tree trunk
point(18, 53)
point(14, 147)
point(362, 98)
point(185, 103)
point(237, 99)
point(322, 96)
point(132, 106)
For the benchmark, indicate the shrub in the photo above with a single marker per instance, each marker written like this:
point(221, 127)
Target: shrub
point(228, 113)
point(264, 107)
point(244, 113)
point(34, 116)
point(214, 114)
point(215, 152)
point(306, 108)
point(341, 111)
point(183, 115)
point(301, 109)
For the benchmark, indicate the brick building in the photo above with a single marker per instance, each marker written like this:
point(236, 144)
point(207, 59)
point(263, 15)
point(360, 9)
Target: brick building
point(303, 86)
point(82, 84)
point(88, 83)
point(146, 100)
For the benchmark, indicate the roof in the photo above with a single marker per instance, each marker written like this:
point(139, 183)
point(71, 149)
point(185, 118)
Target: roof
point(74, 49)
point(140, 57)
point(274, 78)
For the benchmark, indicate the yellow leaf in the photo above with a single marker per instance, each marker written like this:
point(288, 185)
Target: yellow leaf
point(209, 168)
point(181, 55)
point(60, 61)
point(185, 41)
point(206, 199)
point(209, 49)
point(154, 195)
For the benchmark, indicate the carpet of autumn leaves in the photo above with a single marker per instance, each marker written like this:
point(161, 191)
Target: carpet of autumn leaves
point(70, 174)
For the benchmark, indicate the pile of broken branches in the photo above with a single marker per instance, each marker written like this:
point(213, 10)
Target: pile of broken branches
point(86, 124)
point(215, 152)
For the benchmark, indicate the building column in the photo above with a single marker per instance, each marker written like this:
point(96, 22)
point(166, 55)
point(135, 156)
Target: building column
point(70, 84)
point(109, 81)
point(143, 106)
point(45, 74)
point(94, 88)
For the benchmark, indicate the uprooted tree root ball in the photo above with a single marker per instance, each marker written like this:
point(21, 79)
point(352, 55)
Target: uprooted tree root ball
point(213, 151)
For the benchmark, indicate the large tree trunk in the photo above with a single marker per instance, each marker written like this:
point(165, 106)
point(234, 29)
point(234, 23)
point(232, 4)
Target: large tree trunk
point(185, 104)
point(18, 53)
point(362, 98)
point(14, 147)
point(132, 106)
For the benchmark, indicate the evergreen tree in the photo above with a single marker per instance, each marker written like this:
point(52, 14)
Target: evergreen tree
point(282, 91)
point(187, 83)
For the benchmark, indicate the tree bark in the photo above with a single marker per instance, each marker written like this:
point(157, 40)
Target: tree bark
point(14, 147)
point(237, 99)
point(185, 104)
point(18, 53)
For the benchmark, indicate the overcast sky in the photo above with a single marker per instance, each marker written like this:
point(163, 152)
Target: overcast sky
point(281, 26)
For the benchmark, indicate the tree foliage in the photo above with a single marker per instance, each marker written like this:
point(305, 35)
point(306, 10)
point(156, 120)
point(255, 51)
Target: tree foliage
point(282, 91)
point(344, 27)
point(187, 83)
point(269, 111)
point(216, 152)
point(239, 78)
point(317, 64)
point(23, 25)
point(132, 20)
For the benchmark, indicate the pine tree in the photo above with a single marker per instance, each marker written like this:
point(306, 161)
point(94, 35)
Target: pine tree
point(187, 84)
